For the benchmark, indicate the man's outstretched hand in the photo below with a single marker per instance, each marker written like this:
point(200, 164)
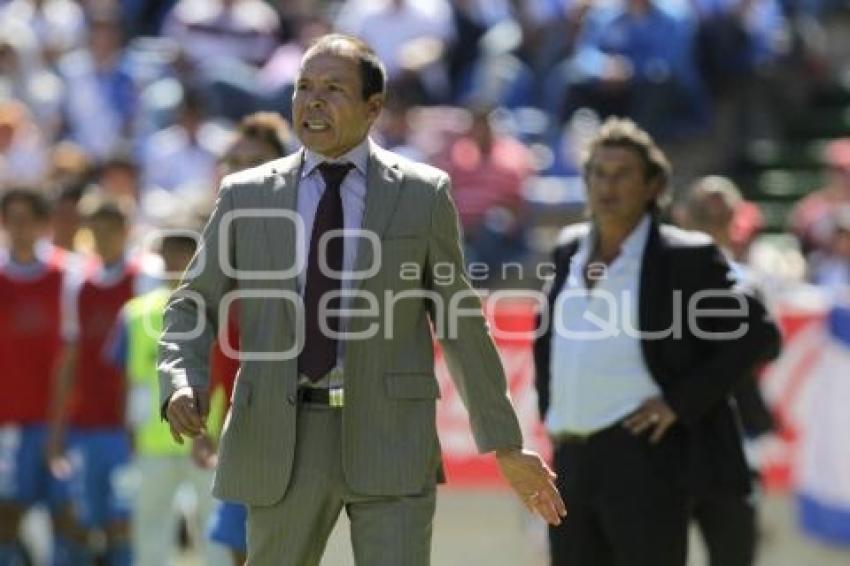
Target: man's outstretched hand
point(187, 413)
point(533, 482)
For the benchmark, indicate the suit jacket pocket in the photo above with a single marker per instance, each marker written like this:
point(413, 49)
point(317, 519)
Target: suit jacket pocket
point(412, 386)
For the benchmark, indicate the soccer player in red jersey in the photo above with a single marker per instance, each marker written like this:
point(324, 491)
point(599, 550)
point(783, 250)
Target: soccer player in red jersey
point(33, 282)
point(89, 393)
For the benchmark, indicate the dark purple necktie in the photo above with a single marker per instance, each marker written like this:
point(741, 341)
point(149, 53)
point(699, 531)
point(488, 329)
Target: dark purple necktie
point(319, 354)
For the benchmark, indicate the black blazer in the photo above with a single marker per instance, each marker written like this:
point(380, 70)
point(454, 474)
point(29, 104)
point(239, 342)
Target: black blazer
point(696, 375)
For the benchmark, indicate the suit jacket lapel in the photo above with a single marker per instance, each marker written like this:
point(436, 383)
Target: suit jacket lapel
point(655, 309)
point(383, 183)
point(281, 232)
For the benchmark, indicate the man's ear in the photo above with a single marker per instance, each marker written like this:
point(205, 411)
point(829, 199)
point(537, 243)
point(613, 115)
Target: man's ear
point(374, 105)
point(657, 187)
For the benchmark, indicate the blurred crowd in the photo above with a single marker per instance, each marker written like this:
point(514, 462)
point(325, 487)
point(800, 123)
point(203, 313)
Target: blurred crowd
point(141, 98)
point(144, 102)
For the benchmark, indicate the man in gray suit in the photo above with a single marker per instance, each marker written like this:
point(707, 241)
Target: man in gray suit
point(334, 404)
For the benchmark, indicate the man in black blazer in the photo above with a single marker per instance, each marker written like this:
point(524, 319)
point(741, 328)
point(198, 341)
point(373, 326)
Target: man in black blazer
point(644, 337)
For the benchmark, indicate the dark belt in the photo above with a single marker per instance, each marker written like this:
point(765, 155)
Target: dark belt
point(583, 438)
point(333, 397)
point(571, 438)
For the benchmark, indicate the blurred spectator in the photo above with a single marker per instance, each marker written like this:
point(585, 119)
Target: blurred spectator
point(282, 67)
point(23, 76)
point(740, 44)
point(393, 127)
point(213, 30)
point(409, 36)
point(737, 38)
point(33, 287)
point(68, 165)
point(810, 217)
point(238, 89)
point(100, 99)
point(830, 266)
point(747, 224)
point(570, 142)
point(65, 220)
point(260, 137)
point(499, 74)
point(23, 155)
point(469, 27)
point(471, 20)
point(67, 178)
point(559, 23)
point(488, 172)
point(184, 155)
point(163, 466)
point(145, 17)
point(87, 439)
point(160, 98)
point(58, 25)
point(118, 176)
point(633, 58)
point(727, 522)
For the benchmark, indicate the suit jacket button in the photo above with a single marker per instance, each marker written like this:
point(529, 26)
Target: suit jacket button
point(291, 399)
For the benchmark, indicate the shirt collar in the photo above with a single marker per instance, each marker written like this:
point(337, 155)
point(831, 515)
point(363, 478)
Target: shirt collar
point(632, 247)
point(111, 272)
point(357, 156)
point(635, 243)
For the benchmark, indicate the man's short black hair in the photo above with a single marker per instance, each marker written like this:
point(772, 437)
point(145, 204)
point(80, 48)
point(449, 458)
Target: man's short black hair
point(373, 74)
point(35, 198)
point(120, 158)
point(181, 229)
point(269, 128)
point(98, 205)
point(178, 243)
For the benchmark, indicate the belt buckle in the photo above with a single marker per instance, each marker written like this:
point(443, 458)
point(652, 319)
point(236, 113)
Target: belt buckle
point(336, 397)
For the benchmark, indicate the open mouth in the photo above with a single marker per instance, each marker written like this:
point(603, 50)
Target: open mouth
point(316, 125)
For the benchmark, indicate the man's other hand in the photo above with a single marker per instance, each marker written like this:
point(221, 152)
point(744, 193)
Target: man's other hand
point(533, 481)
point(204, 452)
point(187, 413)
point(655, 415)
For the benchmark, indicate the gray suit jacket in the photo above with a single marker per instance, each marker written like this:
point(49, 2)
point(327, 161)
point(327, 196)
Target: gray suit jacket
point(389, 437)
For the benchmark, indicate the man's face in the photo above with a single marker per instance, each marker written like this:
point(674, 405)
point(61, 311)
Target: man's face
point(65, 220)
point(105, 38)
point(329, 114)
point(22, 225)
point(110, 237)
point(176, 255)
point(617, 188)
point(120, 181)
point(247, 153)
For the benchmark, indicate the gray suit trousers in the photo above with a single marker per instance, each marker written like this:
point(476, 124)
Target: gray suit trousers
point(294, 531)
